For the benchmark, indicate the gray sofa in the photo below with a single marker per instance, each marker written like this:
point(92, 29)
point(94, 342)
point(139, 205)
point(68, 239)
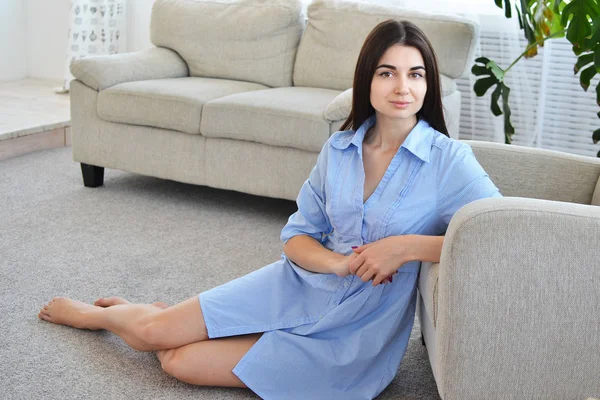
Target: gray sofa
point(512, 311)
point(239, 95)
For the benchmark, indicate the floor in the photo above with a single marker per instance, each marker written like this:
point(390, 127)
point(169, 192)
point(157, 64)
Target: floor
point(32, 117)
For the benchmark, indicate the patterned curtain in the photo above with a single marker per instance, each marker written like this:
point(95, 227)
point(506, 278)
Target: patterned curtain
point(96, 27)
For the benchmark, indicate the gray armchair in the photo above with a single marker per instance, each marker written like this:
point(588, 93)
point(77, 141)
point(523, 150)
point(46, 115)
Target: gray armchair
point(512, 311)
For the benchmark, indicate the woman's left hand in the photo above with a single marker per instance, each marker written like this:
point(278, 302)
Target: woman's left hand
point(381, 259)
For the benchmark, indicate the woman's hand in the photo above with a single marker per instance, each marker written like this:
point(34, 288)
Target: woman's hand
point(341, 268)
point(381, 259)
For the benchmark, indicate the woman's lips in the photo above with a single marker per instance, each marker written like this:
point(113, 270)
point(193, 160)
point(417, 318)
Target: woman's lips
point(400, 104)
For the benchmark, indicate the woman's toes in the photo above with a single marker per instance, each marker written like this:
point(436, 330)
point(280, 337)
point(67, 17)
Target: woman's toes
point(44, 316)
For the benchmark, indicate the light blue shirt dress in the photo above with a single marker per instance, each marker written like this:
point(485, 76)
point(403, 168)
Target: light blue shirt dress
point(328, 337)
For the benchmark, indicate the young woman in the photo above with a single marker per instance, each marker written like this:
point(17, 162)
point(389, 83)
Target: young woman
point(332, 318)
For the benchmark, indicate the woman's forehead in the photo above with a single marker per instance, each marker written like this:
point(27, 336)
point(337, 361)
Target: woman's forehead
point(401, 56)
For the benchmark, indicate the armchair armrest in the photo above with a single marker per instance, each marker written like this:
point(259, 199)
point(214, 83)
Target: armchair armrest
point(519, 301)
point(101, 72)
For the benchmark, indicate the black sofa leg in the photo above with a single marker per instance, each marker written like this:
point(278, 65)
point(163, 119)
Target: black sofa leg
point(422, 339)
point(92, 176)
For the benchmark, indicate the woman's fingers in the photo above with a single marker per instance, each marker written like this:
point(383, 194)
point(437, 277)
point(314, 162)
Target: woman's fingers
point(356, 264)
point(368, 275)
point(360, 271)
point(378, 280)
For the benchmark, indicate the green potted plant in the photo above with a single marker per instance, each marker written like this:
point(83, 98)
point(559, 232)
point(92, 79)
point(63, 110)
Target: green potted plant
point(541, 20)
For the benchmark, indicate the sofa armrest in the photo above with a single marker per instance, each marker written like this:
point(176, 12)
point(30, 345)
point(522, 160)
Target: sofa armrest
point(519, 300)
point(101, 72)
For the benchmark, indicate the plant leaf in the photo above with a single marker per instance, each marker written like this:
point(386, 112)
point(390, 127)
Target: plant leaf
point(577, 50)
point(496, 70)
point(556, 5)
point(509, 130)
point(495, 96)
point(528, 30)
point(579, 27)
point(586, 76)
point(519, 17)
point(478, 70)
point(532, 52)
point(596, 136)
point(482, 85)
point(583, 61)
point(595, 30)
point(483, 60)
point(507, 8)
point(498, 3)
point(598, 95)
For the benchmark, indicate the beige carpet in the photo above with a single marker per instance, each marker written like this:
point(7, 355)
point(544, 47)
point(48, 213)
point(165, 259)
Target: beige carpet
point(143, 238)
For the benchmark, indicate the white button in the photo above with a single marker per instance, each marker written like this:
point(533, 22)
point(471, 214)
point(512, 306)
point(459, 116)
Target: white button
point(320, 316)
point(346, 284)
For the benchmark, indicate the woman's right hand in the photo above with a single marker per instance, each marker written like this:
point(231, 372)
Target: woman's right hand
point(341, 268)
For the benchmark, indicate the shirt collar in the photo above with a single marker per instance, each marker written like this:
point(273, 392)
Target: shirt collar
point(418, 141)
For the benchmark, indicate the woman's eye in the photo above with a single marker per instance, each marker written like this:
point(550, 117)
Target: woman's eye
point(416, 75)
point(387, 74)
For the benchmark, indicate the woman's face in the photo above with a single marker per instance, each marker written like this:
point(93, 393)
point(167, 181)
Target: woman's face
point(399, 85)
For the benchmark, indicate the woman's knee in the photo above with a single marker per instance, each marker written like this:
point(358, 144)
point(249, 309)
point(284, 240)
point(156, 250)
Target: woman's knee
point(173, 362)
point(168, 361)
point(152, 332)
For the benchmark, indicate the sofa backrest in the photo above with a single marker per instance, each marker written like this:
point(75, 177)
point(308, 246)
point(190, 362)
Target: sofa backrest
point(539, 173)
point(248, 40)
point(336, 31)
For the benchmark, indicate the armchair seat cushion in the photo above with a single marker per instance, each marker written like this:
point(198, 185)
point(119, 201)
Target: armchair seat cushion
point(284, 117)
point(174, 103)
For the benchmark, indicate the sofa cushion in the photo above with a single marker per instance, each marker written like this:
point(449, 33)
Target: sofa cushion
point(288, 117)
point(542, 173)
point(340, 107)
point(166, 103)
point(428, 287)
point(248, 40)
point(336, 31)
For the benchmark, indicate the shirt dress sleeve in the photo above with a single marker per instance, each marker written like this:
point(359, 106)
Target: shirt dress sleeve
point(311, 218)
point(462, 181)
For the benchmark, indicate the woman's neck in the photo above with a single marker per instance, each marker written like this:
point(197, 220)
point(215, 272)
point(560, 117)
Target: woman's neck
point(388, 134)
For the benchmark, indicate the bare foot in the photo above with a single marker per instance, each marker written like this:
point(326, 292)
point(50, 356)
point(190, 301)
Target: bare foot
point(160, 304)
point(64, 311)
point(110, 301)
point(113, 301)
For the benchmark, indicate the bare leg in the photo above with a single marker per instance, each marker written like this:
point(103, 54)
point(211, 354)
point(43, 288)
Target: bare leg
point(208, 363)
point(145, 327)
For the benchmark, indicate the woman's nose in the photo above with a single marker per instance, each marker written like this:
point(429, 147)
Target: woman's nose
point(401, 87)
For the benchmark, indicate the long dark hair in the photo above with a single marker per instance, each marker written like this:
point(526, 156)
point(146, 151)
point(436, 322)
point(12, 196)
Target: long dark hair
point(382, 37)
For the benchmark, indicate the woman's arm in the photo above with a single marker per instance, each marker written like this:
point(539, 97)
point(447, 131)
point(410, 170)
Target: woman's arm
point(378, 260)
point(425, 248)
point(310, 255)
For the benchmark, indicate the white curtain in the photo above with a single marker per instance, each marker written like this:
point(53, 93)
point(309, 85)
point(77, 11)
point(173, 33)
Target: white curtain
point(96, 27)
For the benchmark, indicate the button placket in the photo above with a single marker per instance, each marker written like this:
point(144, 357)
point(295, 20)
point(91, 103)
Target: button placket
point(343, 289)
